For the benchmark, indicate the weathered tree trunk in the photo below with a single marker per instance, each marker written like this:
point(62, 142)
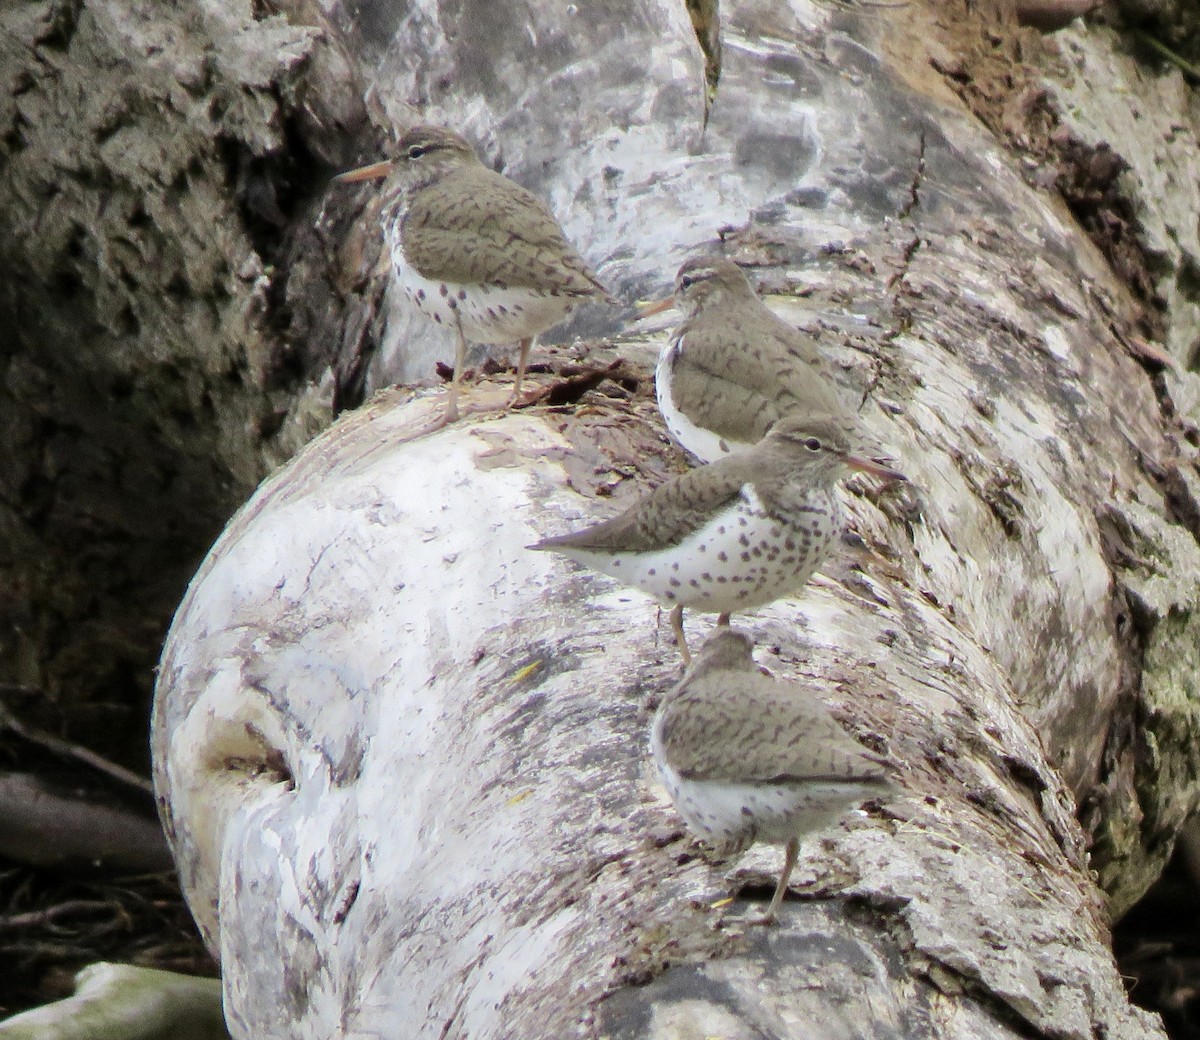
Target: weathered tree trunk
point(166, 298)
point(402, 759)
point(186, 301)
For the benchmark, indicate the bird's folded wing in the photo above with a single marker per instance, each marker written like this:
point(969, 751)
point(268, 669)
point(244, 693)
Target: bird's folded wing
point(666, 516)
point(760, 730)
point(493, 233)
point(769, 363)
point(727, 408)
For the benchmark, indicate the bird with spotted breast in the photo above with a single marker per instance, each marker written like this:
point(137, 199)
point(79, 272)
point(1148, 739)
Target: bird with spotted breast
point(733, 535)
point(473, 250)
point(733, 368)
point(746, 757)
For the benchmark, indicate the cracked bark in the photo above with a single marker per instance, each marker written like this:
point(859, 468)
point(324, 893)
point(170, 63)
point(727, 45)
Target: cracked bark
point(530, 877)
point(421, 809)
point(157, 166)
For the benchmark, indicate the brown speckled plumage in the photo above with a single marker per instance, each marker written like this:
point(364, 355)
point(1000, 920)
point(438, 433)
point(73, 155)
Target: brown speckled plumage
point(461, 223)
point(473, 250)
point(746, 757)
point(735, 534)
point(733, 368)
point(782, 470)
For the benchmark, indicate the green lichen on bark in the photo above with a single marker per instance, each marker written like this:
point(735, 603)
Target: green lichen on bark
point(1161, 579)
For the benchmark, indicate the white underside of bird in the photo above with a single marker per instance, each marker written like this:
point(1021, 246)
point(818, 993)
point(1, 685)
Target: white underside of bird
point(731, 813)
point(485, 313)
point(704, 444)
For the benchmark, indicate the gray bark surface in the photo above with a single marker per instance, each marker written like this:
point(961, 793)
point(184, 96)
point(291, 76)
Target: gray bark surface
point(166, 295)
point(403, 761)
point(187, 302)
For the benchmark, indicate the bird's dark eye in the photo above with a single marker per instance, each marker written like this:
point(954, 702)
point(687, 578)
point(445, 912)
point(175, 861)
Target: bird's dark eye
point(687, 281)
point(415, 151)
point(812, 444)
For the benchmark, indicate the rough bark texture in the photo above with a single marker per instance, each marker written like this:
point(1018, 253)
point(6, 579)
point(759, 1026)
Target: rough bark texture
point(156, 163)
point(1118, 140)
point(402, 759)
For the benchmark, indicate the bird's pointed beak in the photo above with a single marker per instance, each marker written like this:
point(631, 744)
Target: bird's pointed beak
point(1148, 351)
point(366, 173)
point(876, 469)
point(647, 309)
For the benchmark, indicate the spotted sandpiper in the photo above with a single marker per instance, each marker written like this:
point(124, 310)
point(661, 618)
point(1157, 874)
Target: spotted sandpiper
point(733, 368)
point(735, 534)
point(474, 250)
point(747, 758)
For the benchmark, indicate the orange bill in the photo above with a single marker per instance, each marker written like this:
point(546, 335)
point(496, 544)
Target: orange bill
point(366, 173)
point(645, 310)
point(876, 469)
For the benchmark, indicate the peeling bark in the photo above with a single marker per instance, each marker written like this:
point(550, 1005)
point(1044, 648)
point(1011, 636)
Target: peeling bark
point(188, 303)
point(402, 760)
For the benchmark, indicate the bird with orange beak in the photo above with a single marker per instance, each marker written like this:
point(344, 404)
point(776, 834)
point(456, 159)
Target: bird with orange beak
point(473, 250)
point(735, 534)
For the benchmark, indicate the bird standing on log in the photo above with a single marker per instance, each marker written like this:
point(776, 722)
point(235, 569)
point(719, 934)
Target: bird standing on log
point(735, 534)
point(474, 250)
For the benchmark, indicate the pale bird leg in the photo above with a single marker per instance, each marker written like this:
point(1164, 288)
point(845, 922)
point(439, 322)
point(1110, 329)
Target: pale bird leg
point(522, 364)
point(677, 628)
point(789, 861)
point(460, 361)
